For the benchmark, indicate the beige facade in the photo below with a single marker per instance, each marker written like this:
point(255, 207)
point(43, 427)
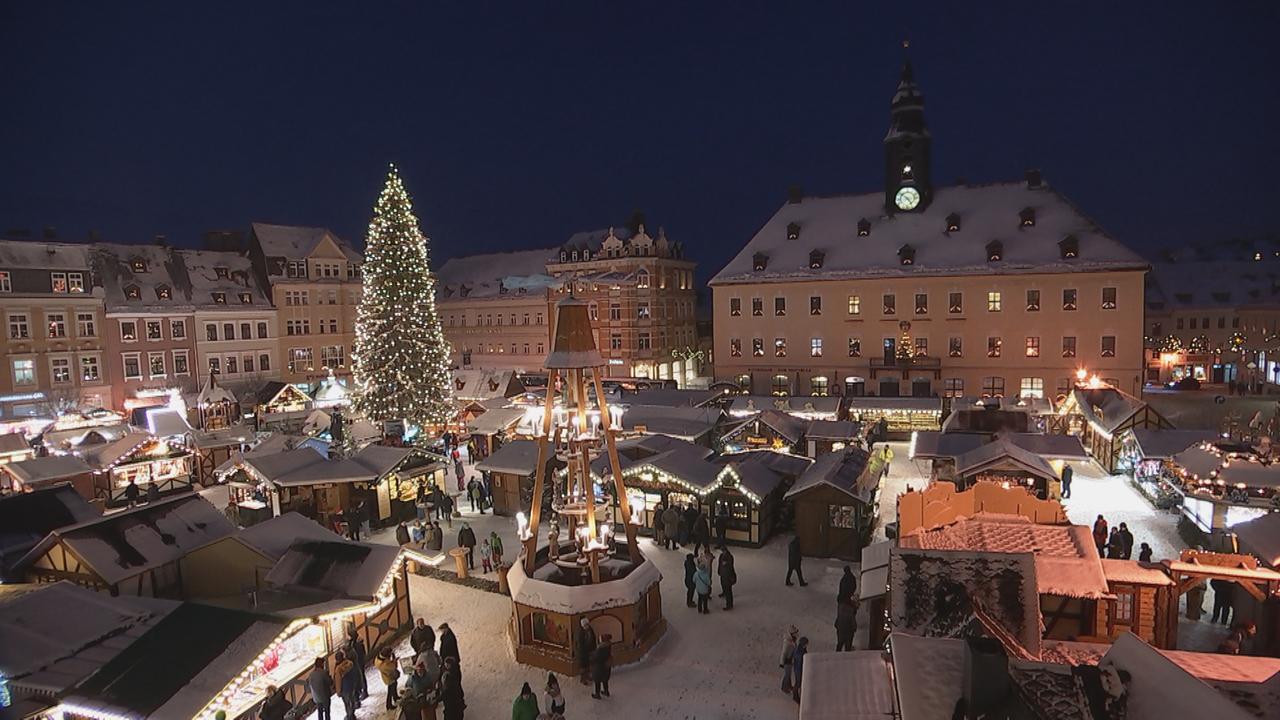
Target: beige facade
point(314, 280)
point(508, 332)
point(1007, 334)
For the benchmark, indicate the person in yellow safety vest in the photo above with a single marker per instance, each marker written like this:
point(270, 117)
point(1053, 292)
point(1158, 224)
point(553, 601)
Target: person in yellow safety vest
point(886, 457)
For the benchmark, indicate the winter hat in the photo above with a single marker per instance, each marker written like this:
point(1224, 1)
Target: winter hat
point(526, 690)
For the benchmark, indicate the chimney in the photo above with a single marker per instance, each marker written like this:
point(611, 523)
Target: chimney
point(1033, 178)
point(986, 675)
point(161, 240)
point(50, 232)
point(794, 195)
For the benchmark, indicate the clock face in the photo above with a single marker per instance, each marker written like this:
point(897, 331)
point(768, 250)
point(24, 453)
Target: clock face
point(907, 198)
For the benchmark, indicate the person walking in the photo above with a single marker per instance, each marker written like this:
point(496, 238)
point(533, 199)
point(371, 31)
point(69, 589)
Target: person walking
point(356, 652)
point(1144, 553)
point(447, 502)
point(390, 672)
point(459, 472)
point(422, 637)
point(602, 667)
point(586, 646)
point(848, 584)
point(797, 665)
point(553, 701)
point(690, 570)
point(1223, 590)
point(683, 527)
point(486, 556)
point(1126, 542)
point(153, 495)
point(473, 493)
point(722, 525)
point(1100, 534)
point(886, 457)
point(702, 583)
point(437, 501)
point(348, 683)
point(525, 706)
point(436, 542)
point(402, 534)
point(728, 577)
point(846, 623)
point(320, 683)
point(789, 638)
point(495, 543)
point(352, 516)
point(1067, 475)
point(467, 539)
point(276, 706)
point(671, 527)
point(793, 561)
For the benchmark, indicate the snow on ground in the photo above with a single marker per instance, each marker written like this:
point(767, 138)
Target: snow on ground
point(720, 666)
point(1094, 492)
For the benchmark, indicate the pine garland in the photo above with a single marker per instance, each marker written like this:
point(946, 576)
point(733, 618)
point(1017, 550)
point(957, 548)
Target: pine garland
point(400, 360)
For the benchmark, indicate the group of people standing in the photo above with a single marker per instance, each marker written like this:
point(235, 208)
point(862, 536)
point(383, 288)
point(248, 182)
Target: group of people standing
point(595, 658)
point(1118, 543)
point(525, 706)
point(698, 578)
point(675, 526)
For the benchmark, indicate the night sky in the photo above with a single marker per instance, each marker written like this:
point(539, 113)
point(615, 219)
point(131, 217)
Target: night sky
point(516, 124)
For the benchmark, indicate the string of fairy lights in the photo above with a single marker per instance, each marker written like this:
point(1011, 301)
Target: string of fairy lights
point(400, 359)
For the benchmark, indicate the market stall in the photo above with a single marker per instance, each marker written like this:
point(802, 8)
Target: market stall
point(1225, 485)
point(836, 504)
point(902, 415)
point(767, 430)
point(281, 406)
point(140, 459)
point(1100, 414)
point(824, 436)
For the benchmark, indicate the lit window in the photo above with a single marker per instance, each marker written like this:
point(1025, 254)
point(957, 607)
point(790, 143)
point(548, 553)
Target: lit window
point(955, 302)
point(643, 341)
point(1068, 347)
point(757, 347)
point(922, 347)
point(154, 331)
point(163, 292)
point(89, 370)
point(1108, 346)
point(180, 366)
point(57, 325)
point(1033, 347)
point(1124, 608)
point(735, 347)
point(246, 299)
point(642, 312)
point(1032, 387)
point(855, 305)
point(75, 282)
point(953, 387)
point(1069, 299)
point(855, 347)
point(86, 325)
point(133, 292)
point(61, 370)
point(132, 366)
point(994, 347)
point(993, 387)
point(615, 341)
point(779, 306)
point(735, 307)
point(819, 386)
point(815, 347)
point(128, 330)
point(24, 372)
point(219, 298)
point(779, 347)
point(815, 305)
point(6, 281)
point(781, 385)
point(59, 282)
point(922, 303)
point(955, 347)
point(890, 304)
point(138, 265)
point(993, 301)
point(155, 364)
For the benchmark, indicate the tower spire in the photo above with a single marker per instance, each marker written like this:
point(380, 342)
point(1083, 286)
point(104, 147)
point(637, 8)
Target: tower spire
point(907, 185)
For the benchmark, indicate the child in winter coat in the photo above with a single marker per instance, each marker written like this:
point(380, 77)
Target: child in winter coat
point(486, 554)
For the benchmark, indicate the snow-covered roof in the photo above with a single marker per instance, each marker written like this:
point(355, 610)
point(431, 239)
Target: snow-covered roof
point(485, 385)
point(103, 455)
point(841, 430)
point(26, 518)
point(762, 471)
point(874, 569)
point(274, 536)
point(1212, 284)
point(306, 466)
point(338, 567)
point(495, 421)
point(1132, 571)
point(114, 264)
point(682, 422)
point(931, 444)
point(203, 270)
point(987, 213)
point(47, 469)
point(845, 470)
point(16, 442)
point(1163, 444)
point(808, 407)
point(1066, 558)
point(1158, 688)
point(846, 686)
point(1105, 407)
point(1261, 537)
point(52, 636)
point(166, 423)
point(43, 255)
point(671, 397)
point(212, 392)
point(930, 675)
point(789, 427)
point(1253, 682)
point(491, 275)
point(1004, 452)
point(294, 242)
point(124, 544)
point(223, 437)
point(518, 457)
point(874, 403)
point(577, 599)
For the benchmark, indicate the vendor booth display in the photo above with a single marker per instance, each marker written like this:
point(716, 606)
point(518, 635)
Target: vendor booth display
point(901, 415)
point(1224, 485)
point(140, 459)
point(767, 430)
point(800, 406)
point(1002, 461)
point(824, 436)
point(215, 406)
point(592, 576)
point(494, 427)
point(281, 406)
point(1100, 415)
point(836, 504)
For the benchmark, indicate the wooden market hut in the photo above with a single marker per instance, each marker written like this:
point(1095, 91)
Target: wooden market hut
point(1145, 451)
point(510, 470)
point(692, 424)
point(48, 471)
point(28, 517)
point(940, 503)
point(140, 458)
point(1223, 485)
point(836, 502)
point(238, 563)
point(212, 448)
point(488, 387)
point(1101, 415)
point(824, 436)
point(494, 427)
point(803, 407)
point(15, 448)
point(135, 552)
point(215, 406)
point(1144, 602)
point(280, 406)
point(902, 415)
point(767, 430)
point(1004, 461)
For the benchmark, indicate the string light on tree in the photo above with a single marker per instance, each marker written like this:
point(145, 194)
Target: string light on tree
point(400, 360)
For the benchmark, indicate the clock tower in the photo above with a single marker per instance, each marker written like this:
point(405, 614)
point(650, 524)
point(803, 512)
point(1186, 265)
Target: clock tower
point(907, 183)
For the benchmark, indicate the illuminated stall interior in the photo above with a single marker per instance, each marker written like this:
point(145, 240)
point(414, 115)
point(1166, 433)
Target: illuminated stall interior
point(902, 415)
point(281, 406)
point(767, 430)
point(1224, 484)
point(1100, 414)
point(138, 458)
point(216, 407)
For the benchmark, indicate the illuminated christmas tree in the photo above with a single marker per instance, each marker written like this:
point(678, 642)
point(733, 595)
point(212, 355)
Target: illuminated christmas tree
point(400, 360)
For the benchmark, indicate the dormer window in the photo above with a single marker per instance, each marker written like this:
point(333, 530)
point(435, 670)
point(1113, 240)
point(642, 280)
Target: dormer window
point(793, 231)
point(564, 256)
point(586, 254)
point(138, 265)
point(816, 257)
point(907, 255)
point(219, 298)
point(953, 223)
point(1069, 247)
point(133, 292)
point(221, 273)
point(163, 292)
point(864, 227)
point(1028, 217)
point(759, 262)
point(246, 299)
point(995, 251)
point(575, 255)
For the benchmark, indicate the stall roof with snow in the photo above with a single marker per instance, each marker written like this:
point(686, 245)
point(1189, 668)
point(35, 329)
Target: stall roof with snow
point(805, 407)
point(1261, 537)
point(48, 469)
point(518, 457)
point(123, 545)
point(688, 423)
point(837, 430)
point(273, 537)
point(336, 568)
point(496, 421)
point(486, 386)
point(671, 397)
point(990, 211)
point(27, 518)
point(305, 466)
point(846, 686)
point(1002, 454)
point(1163, 444)
point(845, 470)
point(788, 427)
point(1159, 688)
point(928, 674)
